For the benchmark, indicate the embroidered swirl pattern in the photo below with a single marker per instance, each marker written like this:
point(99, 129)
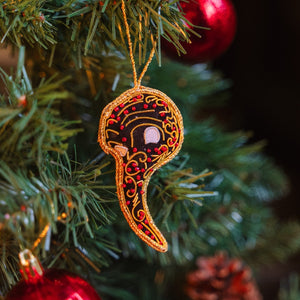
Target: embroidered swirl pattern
point(143, 130)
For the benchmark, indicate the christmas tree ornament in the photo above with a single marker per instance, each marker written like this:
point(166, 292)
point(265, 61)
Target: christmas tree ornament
point(51, 284)
point(219, 277)
point(219, 17)
point(143, 130)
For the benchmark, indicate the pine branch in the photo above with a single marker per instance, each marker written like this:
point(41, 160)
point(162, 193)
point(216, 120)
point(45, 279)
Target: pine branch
point(30, 122)
point(70, 199)
point(285, 241)
point(9, 264)
point(84, 27)
point(40, 184)
point(289, 289)
point(191, 87)
point(242, 167)
point(24, 21)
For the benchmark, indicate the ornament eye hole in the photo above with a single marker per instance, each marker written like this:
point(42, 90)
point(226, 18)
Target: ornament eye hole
point(151, 135)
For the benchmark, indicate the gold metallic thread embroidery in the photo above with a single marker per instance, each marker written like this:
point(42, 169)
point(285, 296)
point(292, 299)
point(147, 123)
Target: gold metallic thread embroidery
point(142, 159)
point(127, 132)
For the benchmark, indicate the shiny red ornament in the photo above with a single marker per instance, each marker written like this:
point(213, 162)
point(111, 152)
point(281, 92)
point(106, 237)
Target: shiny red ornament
point(217, 15)
point(51, 284)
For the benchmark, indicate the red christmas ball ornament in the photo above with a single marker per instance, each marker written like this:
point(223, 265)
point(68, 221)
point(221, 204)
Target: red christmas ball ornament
point(51, 284)
point(217, 15)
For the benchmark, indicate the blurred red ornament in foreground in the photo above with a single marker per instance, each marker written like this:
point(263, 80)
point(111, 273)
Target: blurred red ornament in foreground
point(51, 284)
point(217, 15)
point(219, 277)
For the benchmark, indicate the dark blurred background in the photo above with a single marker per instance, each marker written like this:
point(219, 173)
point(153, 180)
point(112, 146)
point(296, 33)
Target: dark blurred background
point(264, 65)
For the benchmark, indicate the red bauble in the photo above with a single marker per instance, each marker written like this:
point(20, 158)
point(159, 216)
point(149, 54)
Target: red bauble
point(53, 284)
point(220, 17)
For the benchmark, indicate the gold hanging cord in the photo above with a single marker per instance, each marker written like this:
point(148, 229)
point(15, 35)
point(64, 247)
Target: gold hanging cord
point(137, 81)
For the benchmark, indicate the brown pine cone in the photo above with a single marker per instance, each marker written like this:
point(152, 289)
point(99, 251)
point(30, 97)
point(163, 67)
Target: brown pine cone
point(221, 278)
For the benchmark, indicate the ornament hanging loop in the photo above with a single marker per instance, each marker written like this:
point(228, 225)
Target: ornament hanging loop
point(30, 266)
point(137, 81)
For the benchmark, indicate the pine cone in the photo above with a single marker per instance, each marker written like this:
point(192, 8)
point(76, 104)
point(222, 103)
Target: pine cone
point(221, 278)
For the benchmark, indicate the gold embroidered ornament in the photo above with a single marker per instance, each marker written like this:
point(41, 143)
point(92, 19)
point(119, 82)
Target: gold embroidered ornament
point(143, 130)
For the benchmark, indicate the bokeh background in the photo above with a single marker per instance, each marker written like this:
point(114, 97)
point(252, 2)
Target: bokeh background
point(264, 65)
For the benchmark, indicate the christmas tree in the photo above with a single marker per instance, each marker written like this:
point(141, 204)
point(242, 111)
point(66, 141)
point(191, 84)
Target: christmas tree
point(59, 195)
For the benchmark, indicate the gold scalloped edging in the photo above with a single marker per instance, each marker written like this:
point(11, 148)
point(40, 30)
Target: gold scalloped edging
point(136, 197)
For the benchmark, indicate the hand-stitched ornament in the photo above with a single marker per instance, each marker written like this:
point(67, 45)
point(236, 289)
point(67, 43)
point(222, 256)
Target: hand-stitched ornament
point(143, 130)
